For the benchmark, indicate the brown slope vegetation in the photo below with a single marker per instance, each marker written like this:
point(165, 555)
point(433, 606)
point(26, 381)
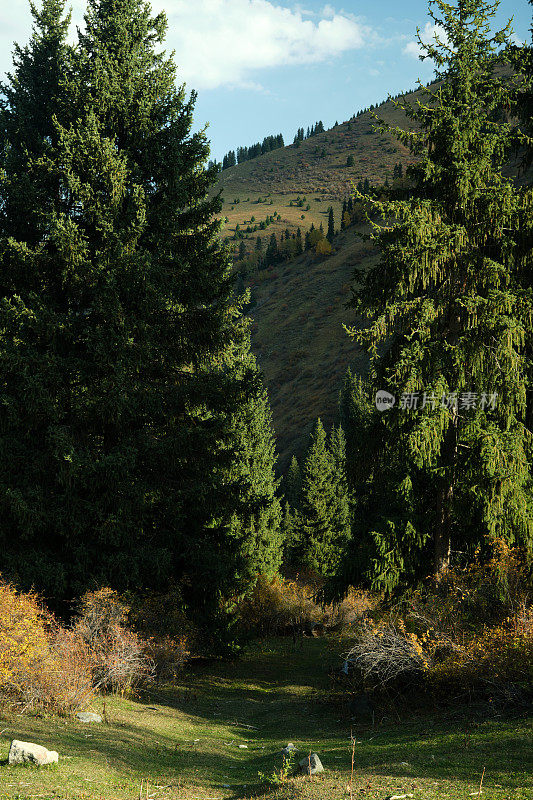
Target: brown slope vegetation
point(299, 339)
point(300, 307)
point(316, 170)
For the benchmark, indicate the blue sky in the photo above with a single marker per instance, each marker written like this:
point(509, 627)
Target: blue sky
point(266, 66)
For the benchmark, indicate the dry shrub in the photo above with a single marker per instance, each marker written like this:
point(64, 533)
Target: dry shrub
point(470, 634)
point(168, 654)
point(385, 654)
point(170, 636)
point(350, 612)
point(277, 605)
point(117, 654)
point(66, 683)
point(41, 664)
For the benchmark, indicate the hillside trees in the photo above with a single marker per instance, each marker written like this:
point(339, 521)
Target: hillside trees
point(253, 151)
point(123, 352)
point(229, 160)
point(447, 317)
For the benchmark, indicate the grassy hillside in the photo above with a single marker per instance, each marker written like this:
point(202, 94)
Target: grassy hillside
point(315, 170)
point(210, 736)
point(299, 339)
point(300, 306)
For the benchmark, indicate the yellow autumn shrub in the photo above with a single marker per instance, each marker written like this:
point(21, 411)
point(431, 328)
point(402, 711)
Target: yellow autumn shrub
point(469, 635)
point(277, 605)
point(41, 663)
point(24, 645)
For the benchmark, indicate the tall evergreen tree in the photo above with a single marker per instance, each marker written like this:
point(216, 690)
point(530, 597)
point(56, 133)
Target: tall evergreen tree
point(29, 99)
point(291, 527)
point(272, 250)
point(331, 225)
point(447, 302)
point(123, 358)
point(341, 512)
point(293, 483)
point(324, 530)
point(299, 246)
point(356, 414)
point(256, 520)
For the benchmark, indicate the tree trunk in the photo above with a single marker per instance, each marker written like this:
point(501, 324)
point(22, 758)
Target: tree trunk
point(442, 537)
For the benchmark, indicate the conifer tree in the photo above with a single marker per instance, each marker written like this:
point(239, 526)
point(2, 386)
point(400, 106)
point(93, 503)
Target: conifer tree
point(523, 63)
point(323, 528)
point(447, 301)
point(331, 225)
point(272, 250)
point(341, 512)
point(293, 483)
point(256, 520)
point(299, 247)
point(29, 99)
point(356, 415)
point(123, 356)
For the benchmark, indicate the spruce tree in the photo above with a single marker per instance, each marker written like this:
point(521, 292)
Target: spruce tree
point(256, 520)
point(122, 350)
point(331, 225)
point(272, 250)
point(293, 483)
point(447, 302)
point(291, 527)
point(523, 62)
point(32, 95)
point(357, 415)
point(341, 512)
point(323, 527)
point(299, 246)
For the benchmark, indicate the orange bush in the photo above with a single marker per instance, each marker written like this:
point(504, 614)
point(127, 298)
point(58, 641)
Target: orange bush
point(117, 655)
point(41, 664)
point(473, 632)
point(278, 604)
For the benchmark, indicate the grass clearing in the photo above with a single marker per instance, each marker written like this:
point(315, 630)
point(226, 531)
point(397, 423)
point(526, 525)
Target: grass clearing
point(184, 741)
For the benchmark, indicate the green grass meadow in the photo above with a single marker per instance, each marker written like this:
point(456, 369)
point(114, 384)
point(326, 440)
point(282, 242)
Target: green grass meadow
point(183, 741)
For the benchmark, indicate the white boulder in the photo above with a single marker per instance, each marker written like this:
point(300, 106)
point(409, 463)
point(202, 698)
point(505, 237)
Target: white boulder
point(88, 716)
point(29, 753)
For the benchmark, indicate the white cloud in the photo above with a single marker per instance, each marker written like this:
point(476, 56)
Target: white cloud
point(428, 36)
point(223, 42)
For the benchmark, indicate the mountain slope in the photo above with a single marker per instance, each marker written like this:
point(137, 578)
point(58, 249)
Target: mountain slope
point(299, 306)
point(299, 339)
